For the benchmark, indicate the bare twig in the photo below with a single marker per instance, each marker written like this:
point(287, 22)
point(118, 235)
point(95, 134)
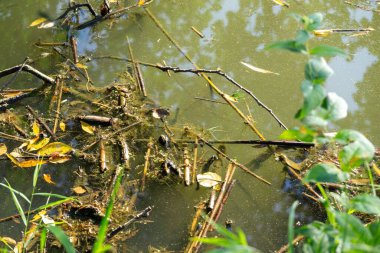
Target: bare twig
point(29, 69)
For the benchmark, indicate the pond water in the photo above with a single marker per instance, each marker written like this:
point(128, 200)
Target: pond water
point(234, 31)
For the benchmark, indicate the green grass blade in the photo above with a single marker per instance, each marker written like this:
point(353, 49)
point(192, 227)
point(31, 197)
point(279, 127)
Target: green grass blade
point(56, 203)
point(291, 226)
point(47, 194)
point(43, 238)
point(62, 238)
point(16, 192)
point(100, 239)
point(35, 175)
point(17, 204)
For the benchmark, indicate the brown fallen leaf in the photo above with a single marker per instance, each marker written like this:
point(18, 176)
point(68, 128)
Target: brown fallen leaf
point(3, 149)
point(48, 179)
point(79, 190)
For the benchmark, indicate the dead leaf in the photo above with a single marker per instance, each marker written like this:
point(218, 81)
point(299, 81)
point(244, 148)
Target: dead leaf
point(3, 149)
point(36, 128)
point(256, 69)
point(55, 148)
point(282, 3)
point(141, 2)
point(38, 216)
point(375, 169)
point(26, 163)
point(36, 146)
point(208, 179)
point(48, 179)
point(87, 127)
point(322, 33)
point(8, 241)
point(46, 25)
point(81, 66)
point(37, 21)
point(47, 220)
point(62, 126)
point(59, 159)
point(79, 190)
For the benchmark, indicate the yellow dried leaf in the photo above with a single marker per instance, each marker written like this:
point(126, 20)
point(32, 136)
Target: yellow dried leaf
point(81, 66)
point(36, 146)
point(260, 70)
point(26, 163)
point(322, 33)
point(37, 21)
point(8, 241)
point(376, 169)
point(62, 126)
point(87, 127)
point(141, 2)
point(48, 179)
point(36, 128)
point(54, 148)
point(3, 149)
point(59, 159)
point(38, 216)
point(208, 179)
point(79, 190)
point(281, 2)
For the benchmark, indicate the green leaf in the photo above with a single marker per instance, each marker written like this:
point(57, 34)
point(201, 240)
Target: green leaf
point(317, 70)
point(358, 149)
point(374, 228)
point(313, 97)
point(17, 204)
point(46, 194)
point(302, 37)
point(62, 238)
point(302, 134)
point(16, 192)
point(335, 106)
point(56, 203)
point(314, 120)
point(366, 203)
point(325, 50)
point(352, 229)
point(290, 45)
point(325, 173)
point(43, 238)
point(314, 21)
point(102, 234)
point(291, 226)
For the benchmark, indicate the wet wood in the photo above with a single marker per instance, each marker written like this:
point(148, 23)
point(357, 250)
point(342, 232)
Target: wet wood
point(74, 49)
point(199, 209)
point(124, 151)
point(102, 156)
point(142, 214)
point(59, 83)
point(195, 160)
point(94, 119)
point(146, 166)
point(186, 167)
point(197, 32)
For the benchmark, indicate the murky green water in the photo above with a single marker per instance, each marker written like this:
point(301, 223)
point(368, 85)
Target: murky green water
point(234, 31)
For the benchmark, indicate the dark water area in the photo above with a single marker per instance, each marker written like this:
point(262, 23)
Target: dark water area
point(234, 31)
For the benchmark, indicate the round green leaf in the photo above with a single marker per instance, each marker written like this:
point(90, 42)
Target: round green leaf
point(325, 173)
point(336, 107)
point(317, 70)
point(366, 203)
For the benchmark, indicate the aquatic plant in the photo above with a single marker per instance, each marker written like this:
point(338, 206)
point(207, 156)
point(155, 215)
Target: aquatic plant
point(343, 231)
